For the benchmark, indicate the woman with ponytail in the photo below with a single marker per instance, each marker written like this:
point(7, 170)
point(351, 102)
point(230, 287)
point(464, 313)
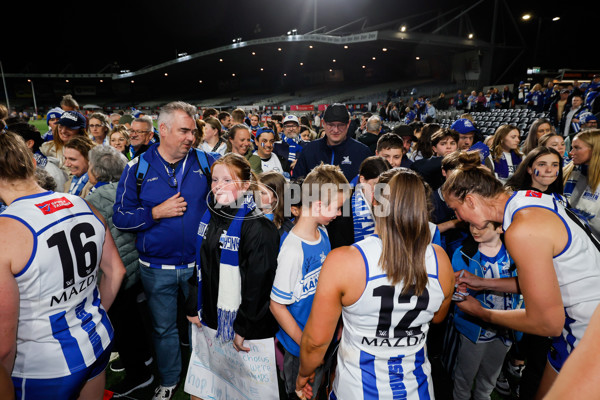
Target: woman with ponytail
point(395, 275)
point(557, 260)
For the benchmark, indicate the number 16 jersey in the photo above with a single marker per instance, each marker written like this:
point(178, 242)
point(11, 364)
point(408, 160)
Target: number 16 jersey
point(62, 327)
point(382, 352)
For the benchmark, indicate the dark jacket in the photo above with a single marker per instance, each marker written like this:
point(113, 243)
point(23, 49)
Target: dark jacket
point(430, 170)
point(259, 246)
point(370, 140)
point(348, 155)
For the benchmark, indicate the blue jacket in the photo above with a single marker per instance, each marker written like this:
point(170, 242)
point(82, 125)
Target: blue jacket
point(348, 155)
point(468, 257)
point(170, 241)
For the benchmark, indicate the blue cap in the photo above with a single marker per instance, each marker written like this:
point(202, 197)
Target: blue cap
point(522, 82)
point(72, 120)
point(586, 117)
point(55, 112)
point(463, 125)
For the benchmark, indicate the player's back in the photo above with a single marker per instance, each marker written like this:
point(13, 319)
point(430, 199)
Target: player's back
point(62, 327)
point(382, 352)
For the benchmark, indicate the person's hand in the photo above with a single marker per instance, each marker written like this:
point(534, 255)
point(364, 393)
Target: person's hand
point(468, 280)
point(194, 320)
point(238, 344)
point(303, 388)
point(471, 306)
point(174, 206)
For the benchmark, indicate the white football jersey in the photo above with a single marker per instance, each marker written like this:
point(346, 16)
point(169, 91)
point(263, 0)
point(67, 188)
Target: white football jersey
point(577, 266)
point(382, 352)
point(62, 327)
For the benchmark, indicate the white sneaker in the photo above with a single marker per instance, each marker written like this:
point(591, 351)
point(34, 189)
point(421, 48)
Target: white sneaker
point(164, 392)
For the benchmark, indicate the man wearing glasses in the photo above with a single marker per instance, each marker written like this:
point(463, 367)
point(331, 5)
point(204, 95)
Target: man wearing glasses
point(288, 146)
point(165, 210)
point(140, 135)
point(335, 148)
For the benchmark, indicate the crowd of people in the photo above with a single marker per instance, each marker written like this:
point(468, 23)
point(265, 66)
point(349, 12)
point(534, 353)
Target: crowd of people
point(410, 262)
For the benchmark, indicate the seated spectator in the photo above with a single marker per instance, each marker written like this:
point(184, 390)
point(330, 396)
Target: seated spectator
point(77, 160)
point(505, 156)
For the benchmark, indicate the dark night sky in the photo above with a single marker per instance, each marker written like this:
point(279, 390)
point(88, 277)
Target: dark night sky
point(86, 36)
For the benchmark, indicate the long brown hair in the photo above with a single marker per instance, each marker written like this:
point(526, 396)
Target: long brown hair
point(501, 133)
point(276, 183)
point(404, 230)
point(470, 177)
point(16, 161)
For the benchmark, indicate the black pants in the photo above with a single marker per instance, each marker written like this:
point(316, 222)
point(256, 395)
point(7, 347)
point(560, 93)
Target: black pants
point(131, 339)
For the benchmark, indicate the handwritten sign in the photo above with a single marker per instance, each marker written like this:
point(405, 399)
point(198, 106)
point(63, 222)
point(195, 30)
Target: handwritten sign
point(217, 371)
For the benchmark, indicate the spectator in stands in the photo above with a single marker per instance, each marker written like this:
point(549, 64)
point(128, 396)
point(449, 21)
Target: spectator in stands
point(557, 107)
point(131, 340)
point(410, 116)
point(428, 112)
point(32, 138)
point(370, 138)
point(442, 102)
point(119, 139)
point(459, 100)
point(165, 212)
point(481, 102)
point(212, 141)
point(392, 148)
point(551, 92)
point(238, 116)
point(535, 99)
point(77, 160)
point(140, 135)
point(335, 148)
point(521, 93)
point(505, 156)
point(210, 112)
point(495, 98)
point(539, 128)
point(582, 178)
point(588, 120)
point(443, 142)
point(70, 124)
point(569, 123)
point(99, 127)
point(507, 98)
point(225, 119)
point(68, 103)
point(393, 114)
point(472, 101)
point(52, 118)
point(288, 147)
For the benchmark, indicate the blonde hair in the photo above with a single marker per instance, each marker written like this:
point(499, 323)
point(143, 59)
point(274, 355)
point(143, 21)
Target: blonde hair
point(590, 137)
point(321, 175)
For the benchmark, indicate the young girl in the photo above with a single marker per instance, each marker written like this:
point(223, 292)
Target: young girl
point(211, 138)
point(505, 156)
point(272, 190)
point(234, 283)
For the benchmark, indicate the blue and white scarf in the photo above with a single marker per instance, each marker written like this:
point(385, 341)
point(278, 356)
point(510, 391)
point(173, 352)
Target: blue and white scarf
point(362, 216)
point(230, 281)
point(78, 183)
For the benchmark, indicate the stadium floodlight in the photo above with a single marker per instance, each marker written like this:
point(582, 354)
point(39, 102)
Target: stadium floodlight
point(166, 74)
point(124, 71)
point(333, 60)
point(346, 46)
point(279, 49)
point(417, 58)
point(262, 69)
point(364, 66)
point(181, 54)
point(384, 49)
point(526, 17)
point(132, 81)
point(233, 41)
point(200, 81)
point(233, 74)
point(555, 19)
point(310, 47)
point(253, 53)
point(289, 33)
point(66, 80)
point(374, 58)
point(301, 64)
point(470, 36)
point(220, 60)
point(294, 31)
point(403, 28)
point(330, 70)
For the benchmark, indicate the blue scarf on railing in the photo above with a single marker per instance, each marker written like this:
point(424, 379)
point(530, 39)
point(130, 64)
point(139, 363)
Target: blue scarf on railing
point(364, 223)
point(229, 296)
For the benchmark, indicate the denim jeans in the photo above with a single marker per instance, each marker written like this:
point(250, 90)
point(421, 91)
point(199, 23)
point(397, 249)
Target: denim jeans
point(161, 287)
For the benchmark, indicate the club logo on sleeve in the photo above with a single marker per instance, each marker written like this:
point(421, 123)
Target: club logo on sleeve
point(50, 206)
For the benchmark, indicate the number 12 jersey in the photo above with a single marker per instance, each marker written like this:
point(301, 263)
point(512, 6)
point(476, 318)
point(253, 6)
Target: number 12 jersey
point(382, 352)
point(62, 327)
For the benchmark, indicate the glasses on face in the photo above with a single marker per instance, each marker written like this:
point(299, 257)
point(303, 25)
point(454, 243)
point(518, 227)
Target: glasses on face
point(135, 132)
point(95, 126)
point(289, 126)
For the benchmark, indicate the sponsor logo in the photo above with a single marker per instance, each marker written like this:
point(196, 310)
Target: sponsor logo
point(51, 206)
point(533, 193)
point(346, 160)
